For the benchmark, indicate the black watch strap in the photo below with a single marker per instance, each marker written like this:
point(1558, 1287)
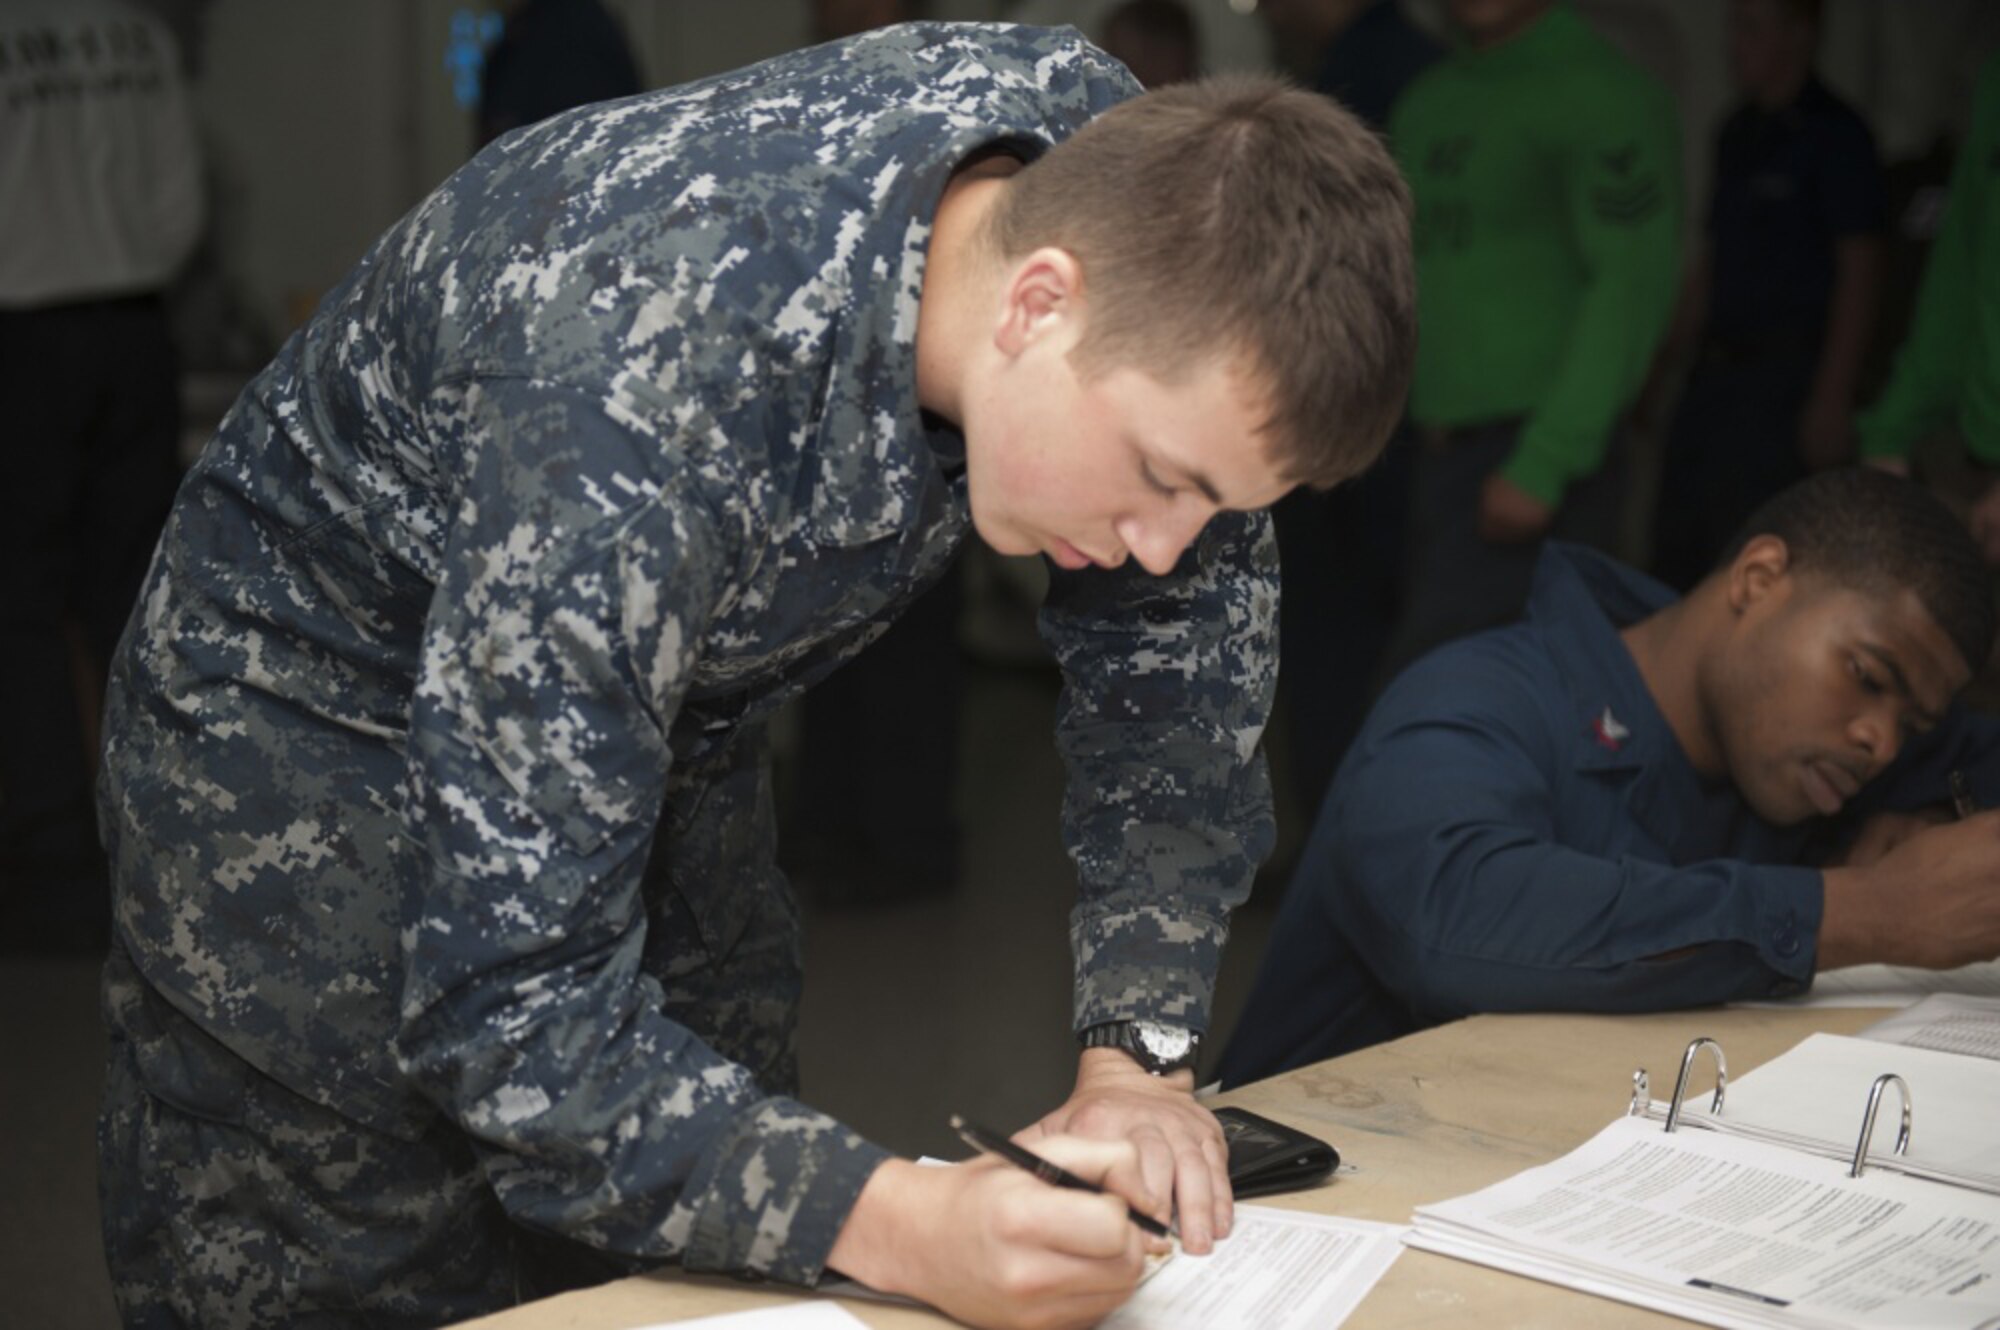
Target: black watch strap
point(1154, 1045)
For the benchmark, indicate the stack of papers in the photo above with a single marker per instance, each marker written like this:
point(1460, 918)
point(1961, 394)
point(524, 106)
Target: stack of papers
point(1946, 1022)
point(1734, 1232)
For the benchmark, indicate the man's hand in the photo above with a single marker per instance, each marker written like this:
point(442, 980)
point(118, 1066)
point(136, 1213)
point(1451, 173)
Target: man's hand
point(1509, 515)
point(1884, 832)
point(1932, 901)
point(1183, 1156)
point(1985, 523)
point(995, 1246)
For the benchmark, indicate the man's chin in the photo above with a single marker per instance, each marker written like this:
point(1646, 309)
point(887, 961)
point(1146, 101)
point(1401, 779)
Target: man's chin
point(1779, 812)
point(1001, 541)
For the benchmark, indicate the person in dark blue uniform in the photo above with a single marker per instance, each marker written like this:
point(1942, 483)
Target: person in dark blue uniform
point(437, 788)
point(1626, 801)
point(1342, 549)
point(1781, 299)
point(551, 56)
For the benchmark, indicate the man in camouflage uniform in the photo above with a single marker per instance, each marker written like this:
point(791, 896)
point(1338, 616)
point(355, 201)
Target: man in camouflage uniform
point(449, 941)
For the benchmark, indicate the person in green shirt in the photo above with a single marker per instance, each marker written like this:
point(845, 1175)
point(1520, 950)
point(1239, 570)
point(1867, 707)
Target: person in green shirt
point(1949, 364)
point(1546, 171)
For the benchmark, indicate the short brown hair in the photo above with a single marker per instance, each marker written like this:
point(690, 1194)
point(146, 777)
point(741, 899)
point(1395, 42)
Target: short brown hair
point(1239, 214)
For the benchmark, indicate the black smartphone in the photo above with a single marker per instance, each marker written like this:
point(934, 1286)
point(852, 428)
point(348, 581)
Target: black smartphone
point(1267, 1156)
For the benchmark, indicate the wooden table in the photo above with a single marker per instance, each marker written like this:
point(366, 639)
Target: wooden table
point(1432, 1116)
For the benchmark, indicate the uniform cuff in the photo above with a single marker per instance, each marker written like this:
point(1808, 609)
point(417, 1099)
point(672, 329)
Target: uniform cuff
point(778, 1193)
point(1147, 964)
point(1793, 903)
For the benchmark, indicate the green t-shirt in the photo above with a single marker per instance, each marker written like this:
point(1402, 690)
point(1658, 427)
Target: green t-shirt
point(1951, 358)
point(1546, 172)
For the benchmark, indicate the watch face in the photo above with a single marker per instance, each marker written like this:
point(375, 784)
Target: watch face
point(1168, 1043)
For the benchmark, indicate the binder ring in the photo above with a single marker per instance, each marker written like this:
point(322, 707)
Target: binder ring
point(1642, 1095)
point(1868, 1120)
point(1721, 1080)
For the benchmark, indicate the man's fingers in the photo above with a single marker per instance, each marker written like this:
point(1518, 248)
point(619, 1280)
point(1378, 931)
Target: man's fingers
point(1079, 1227)
point(1194, 1196)
point(1092, 1158)
point(1215, 1150)
point(1115, 1165)
point(1156, 1170)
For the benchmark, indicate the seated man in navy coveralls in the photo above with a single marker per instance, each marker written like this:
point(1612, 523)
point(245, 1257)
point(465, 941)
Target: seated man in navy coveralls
point(1629, 802)
point(450, 947)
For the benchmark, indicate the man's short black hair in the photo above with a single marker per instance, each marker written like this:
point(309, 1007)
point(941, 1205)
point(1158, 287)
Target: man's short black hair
point(1863, 528)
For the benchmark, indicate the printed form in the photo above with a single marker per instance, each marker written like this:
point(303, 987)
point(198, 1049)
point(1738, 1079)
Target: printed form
point(1735, 1233)
point(1277, 1270)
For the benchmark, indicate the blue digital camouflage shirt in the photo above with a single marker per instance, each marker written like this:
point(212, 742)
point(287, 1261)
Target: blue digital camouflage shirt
point(434, 781)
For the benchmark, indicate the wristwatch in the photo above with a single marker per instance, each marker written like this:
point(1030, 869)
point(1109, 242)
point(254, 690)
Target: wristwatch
point(1157, 1047)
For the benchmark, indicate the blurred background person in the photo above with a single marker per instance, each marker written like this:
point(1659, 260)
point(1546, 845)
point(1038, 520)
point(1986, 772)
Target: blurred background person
point(1155, 39)
point(1546, 169)
point(101, 172)
point(1341, 552)
point(552, 55)
point(1947, 374)
point(1362, 53)
point(1780, 303)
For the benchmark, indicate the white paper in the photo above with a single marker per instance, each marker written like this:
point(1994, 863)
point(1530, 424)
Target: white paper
point(789, 1316)
point(1734, 1233)
point(1947, 1023)
point(1277, 1269)
point(1889, 986)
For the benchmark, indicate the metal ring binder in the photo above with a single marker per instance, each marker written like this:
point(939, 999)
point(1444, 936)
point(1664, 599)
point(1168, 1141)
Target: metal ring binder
point(1681, 1083)
point(1868, 1120)
point(1644, 1106)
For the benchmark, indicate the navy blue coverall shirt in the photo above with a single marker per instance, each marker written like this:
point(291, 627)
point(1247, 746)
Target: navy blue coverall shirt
point(1517, 829)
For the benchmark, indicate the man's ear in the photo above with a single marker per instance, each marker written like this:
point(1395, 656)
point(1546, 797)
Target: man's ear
point(1043, 296)
point(1760, 570)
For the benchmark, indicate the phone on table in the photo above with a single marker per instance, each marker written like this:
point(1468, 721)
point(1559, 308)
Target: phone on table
point(1267, 1156)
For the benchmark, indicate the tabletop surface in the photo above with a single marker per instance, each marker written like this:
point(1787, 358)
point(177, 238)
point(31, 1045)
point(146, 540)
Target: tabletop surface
point(1422, 1119)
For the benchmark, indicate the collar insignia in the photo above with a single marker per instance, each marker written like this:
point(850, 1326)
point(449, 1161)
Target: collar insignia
point(1609, 732)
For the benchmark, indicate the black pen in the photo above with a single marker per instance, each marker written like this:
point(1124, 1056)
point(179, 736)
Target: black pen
point(993, 1143)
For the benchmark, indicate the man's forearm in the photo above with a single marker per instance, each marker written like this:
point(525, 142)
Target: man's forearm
point(1851, 926)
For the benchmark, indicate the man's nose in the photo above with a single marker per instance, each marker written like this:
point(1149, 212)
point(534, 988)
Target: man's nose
point(1158, 542)
point(1878, 732)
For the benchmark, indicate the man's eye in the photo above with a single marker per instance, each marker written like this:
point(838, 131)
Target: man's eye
point(1157, 485)
point(1869, 683)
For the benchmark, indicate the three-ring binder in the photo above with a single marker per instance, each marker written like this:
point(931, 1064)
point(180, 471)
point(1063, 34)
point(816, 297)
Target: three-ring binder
point(1644, 1106)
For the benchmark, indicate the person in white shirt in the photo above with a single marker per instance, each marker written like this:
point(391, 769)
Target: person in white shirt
point(100, 166)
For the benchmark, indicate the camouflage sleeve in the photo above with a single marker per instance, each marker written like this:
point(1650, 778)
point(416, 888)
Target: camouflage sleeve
point(578, 585)
point(1167, 685)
